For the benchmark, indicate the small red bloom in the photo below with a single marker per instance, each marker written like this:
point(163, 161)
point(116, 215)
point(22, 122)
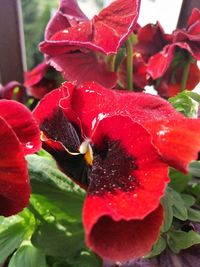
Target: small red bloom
point(19, 136)
point(79, 40)
point(40, 80)
point(117, 146)
point(13, 90)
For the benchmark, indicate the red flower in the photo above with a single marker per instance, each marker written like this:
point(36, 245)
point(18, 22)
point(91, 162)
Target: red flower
point(72, 45)
point(40, 80)
point(117, 146)
point(187, 39)
point(13, 90)
point(19, 136)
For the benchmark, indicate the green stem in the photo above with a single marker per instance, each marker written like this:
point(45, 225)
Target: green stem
point(129, 66)
point(36, 213)
point(111, 62)
point(185, 74)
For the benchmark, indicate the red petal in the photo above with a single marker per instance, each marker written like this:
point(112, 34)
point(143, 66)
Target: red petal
point(126, 185)
point(67, 15)
point(105, 33)
point(92, 103)
point(194, 17)
point(21, 121)
point(123, 240)
point(177, 140)
point(14, 182)
point(35, 75)
point(160, 62)
point(80, 67)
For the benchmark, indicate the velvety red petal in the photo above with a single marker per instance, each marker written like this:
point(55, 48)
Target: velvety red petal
point(67, 15)
point(92, 103)
point(159, 63)
point(126, 184)
point(14, 181)
point(35, 75)
point(21, 121)
point(151, 40)
point(194, 17)
point(177, 140)
point(80, 68)
point(105, 33)
point(123, 240)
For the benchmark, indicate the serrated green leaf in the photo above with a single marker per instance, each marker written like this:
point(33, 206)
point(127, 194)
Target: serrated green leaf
point(193, 215)
point(178, 240)
point(194, 168)
point(179, 209)
point(178, 180)
point(28, 256)
point(167, 203)
point(157, 248)
point(59, 240)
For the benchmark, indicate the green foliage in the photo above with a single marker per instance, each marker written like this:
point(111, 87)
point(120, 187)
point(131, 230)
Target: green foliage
point(186, 103)
point(28, 256)
point(178, 240)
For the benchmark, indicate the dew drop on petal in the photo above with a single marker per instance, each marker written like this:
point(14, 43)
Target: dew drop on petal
point(29, 145)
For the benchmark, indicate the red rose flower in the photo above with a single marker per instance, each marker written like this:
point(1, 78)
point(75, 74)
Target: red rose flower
point(118, 147)
point(19, 136)
point(76, 47)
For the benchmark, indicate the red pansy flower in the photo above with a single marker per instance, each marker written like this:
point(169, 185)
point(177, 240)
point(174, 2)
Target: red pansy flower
point(19, 136)
point(76, 47)
point(117, 146)
point(40, 80)
point(187, 39)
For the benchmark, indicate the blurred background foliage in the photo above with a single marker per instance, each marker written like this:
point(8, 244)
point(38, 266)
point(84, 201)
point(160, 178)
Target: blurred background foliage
point(36, 14)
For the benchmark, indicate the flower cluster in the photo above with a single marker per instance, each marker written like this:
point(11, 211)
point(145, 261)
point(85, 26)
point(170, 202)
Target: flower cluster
point(116, 144)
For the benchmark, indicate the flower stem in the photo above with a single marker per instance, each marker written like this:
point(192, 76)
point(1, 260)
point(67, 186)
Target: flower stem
point(129, 66)
point(185, 74)
point(36, 213)
point(111, 62)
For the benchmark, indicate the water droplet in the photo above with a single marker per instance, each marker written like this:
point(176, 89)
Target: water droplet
point(29, 145)
point(135, 195)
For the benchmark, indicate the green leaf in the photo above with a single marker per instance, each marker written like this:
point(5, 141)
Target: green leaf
point(194, 168)
point(86, 259)
point(193, 215)
point(57, 204)
point(55, 188)
point(183, 103)
point(193, 95)
point(179, 209)
point(12, 232)
point(60, 240)
point(178, 240)
point(167, 203)
point(157, 248)
point(188, 200)
point(179, 181)
point(28, 256)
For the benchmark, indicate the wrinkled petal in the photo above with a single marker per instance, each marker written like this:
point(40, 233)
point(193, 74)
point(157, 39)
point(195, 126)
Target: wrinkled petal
point(80, 67)
point(126, 183)
point(14, 182)
point(105, 33)
point(21, 121)
point(35, 75)
point(67, 15)
point(92, 103)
